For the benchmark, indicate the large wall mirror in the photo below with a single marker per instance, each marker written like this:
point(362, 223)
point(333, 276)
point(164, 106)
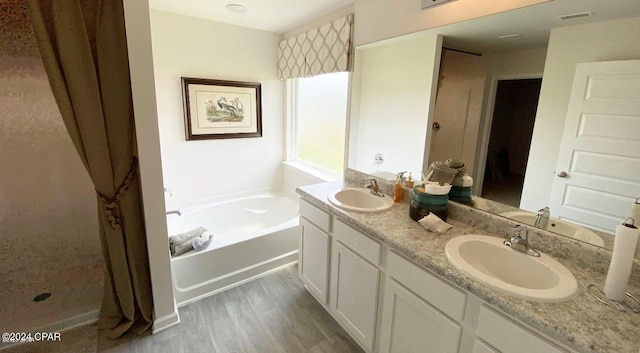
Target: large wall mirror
point(495, 92)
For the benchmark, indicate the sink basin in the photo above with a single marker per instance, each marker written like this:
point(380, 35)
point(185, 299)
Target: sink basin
point(558, 226)
point(359, 200)
point(488, 260)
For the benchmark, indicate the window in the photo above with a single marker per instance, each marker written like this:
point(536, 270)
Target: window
point(318, 121)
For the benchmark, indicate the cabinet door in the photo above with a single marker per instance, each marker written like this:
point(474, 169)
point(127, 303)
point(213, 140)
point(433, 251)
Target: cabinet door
point(354, 293)
point(481, 347)
point(314, 260)
point(411, 325)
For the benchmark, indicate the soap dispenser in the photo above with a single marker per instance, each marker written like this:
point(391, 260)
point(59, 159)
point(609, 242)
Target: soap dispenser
point(409, 182)
point(397, 195)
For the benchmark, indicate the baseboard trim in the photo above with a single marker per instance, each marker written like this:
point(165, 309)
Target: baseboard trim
point(83, 319)
point(164, 322)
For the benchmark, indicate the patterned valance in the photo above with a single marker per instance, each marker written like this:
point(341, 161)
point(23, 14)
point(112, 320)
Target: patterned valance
point(321, 50)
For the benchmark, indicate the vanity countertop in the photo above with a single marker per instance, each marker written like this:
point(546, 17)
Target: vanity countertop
point(581, 324)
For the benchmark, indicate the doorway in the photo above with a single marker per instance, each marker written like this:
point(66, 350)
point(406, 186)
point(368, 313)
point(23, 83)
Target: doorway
point(514, 113)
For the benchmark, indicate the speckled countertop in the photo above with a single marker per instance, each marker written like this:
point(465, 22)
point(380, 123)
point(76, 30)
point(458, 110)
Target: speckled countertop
point(581, 324)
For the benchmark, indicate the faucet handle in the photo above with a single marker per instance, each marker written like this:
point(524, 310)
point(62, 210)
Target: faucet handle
point(518, 230)
point(520, 243)
point(373, 185)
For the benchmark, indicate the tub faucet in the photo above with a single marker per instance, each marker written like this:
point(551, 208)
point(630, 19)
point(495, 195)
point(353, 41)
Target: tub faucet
point(372, 184)
point(542, 218)
point(178, 212)
point(518, 243)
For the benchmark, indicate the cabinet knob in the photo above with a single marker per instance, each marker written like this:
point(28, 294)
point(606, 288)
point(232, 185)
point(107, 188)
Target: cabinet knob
point(563, 174)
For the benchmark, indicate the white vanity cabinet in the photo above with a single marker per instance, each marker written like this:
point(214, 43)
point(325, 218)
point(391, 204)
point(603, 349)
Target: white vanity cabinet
point(339, 266)
point(420, 313)
point(391, 305)
point(411, 325)
point(314, 244)
point(355, 280)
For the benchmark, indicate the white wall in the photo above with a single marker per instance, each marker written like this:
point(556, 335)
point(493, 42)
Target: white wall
point(191, 47)
point(393, 98)
point(604, 41)
point(295, 176)
point(383, 19)
point(319, 21)
point(137, 23)
point(520, 62)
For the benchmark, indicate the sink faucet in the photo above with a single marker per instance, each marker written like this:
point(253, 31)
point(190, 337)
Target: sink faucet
point(178, 212)
point(519, 243)
point(372, 184)
point(542, 218)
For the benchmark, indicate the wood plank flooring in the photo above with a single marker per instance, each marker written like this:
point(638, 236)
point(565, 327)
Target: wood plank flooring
point(271, 314)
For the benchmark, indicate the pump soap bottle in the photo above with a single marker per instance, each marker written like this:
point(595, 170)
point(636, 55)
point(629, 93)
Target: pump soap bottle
point(397, 195)
point(409, 182)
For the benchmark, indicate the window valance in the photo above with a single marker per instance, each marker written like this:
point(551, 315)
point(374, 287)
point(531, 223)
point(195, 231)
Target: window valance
point(324, 49)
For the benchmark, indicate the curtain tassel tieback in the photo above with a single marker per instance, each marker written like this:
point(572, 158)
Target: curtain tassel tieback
point(111, 204)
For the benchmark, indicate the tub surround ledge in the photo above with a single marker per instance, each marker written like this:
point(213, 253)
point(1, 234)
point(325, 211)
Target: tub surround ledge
point(581, 324)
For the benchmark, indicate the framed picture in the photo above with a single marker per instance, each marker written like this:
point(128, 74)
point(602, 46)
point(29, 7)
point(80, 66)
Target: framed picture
point(216, 109)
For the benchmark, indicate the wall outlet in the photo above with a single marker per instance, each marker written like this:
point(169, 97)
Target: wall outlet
point(431, 3)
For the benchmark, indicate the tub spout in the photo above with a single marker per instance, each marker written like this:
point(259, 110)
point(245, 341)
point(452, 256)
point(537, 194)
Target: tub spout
point(178, 212)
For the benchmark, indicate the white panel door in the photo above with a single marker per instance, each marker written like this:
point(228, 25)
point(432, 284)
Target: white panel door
point(598, 169)
point(411, 325)
point(314, 260)
point(354, 293)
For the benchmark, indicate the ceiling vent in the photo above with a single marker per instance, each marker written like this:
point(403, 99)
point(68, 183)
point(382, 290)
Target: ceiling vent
point(509, 37)
point(574, 16)
point(431, 3)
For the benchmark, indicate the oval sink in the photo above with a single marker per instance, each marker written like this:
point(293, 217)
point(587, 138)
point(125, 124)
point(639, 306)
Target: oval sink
point(359, 200)
point(488, 260)
point(558, 226)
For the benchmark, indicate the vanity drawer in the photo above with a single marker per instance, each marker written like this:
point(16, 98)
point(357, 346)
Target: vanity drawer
point(315, 215)
point(451, 301)
point(508, 336)
point(358, 242)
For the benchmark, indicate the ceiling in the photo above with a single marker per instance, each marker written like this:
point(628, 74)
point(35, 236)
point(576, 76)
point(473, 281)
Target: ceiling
point(533, 24)
point(277, 16)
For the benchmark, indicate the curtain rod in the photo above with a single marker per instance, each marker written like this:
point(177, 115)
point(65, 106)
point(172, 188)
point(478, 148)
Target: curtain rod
point(462, 51)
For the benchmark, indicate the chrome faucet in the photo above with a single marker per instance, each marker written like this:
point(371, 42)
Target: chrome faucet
point(372, 184)
point(542, 218)
point(178, 212)
point(519, 243)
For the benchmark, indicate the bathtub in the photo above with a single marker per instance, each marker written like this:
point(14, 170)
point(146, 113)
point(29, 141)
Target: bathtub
point(252, 236)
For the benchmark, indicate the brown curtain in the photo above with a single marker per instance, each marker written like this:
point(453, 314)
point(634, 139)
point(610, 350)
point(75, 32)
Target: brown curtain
point(84, 50)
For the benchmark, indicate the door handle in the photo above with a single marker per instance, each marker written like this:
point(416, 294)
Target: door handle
point(563, 174)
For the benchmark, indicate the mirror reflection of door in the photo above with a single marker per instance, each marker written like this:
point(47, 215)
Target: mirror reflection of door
point(458, 107)
point(514, 112)
point(600, 150)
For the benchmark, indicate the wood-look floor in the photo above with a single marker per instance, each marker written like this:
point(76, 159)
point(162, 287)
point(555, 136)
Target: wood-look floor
point(271, 314)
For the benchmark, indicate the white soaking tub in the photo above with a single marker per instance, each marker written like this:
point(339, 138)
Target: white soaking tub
point(251, 237)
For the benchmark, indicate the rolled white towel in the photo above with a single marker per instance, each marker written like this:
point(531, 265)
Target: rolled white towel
point(181, 243)
point(202, 242)
point(433, 223)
